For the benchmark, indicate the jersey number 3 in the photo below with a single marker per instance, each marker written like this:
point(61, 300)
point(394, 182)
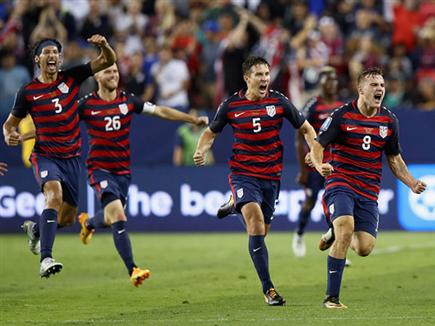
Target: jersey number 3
point(112, 123)
point(57, 105)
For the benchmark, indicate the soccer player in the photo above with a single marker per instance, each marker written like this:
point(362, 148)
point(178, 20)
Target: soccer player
point(51, 100)
point(358, 133)
point(107, 114)
point(316, 110)
point(256, 116)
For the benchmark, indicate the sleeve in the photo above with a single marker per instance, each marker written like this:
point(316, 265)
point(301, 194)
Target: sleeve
point(309, 109)
point(138, 104)
point(220, 119)
point(21, 105)
point(330, 129)
point(80, 72)
point(392, 147)
point(81, 107)
point(292, 114)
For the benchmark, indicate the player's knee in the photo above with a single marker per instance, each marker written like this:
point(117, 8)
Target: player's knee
point(54, 200)
point(364, 251)
point(308, 204)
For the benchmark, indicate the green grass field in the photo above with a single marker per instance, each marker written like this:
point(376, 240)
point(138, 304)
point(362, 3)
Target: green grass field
point(208, 279)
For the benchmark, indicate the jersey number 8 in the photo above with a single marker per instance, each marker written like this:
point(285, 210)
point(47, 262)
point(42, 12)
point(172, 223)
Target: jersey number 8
point(366, 142)
point(112, 123)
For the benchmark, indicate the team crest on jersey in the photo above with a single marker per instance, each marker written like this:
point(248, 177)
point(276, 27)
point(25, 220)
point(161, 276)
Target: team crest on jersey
point(43, 174)
point(271, 111)
point(104, 184)
point(63, 88)
point(240, 193)
point(123, 108)
point(326, 124)
point(383, 131)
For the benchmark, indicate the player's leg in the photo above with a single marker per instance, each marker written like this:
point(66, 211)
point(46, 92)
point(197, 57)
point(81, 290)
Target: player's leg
point(366, 227)
point(340, 206)
point(115, 216)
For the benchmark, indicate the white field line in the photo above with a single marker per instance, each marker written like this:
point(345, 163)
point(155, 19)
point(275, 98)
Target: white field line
point(393, 249)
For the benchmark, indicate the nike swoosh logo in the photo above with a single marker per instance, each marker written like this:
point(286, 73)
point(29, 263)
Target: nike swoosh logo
point(256, 249)
point(121, 231)
point(350, 128)
point(95, 112)
point(36, 97)
point(51, 221)
point(238, 114)
point(332, 272)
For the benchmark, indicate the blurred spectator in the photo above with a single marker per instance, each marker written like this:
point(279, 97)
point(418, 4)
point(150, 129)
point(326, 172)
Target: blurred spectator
point(66, 18)
point(49, 26)
point(396, 95)
point(186, 138)
point(425, 99)
point(426, 51)
point(368, 54)
point(399, 63)
point(97, 22)
point(171, 76)
point(12, 77)
point(406, 22)
point(134, 81)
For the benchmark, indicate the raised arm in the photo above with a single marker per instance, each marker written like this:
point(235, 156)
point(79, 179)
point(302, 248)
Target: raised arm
point(168, 113)
point(205, 142)
point(401, 172)
point(107, 56)
point(11, 136)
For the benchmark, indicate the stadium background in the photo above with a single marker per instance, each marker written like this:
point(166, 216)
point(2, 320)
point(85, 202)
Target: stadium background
point(211, 38)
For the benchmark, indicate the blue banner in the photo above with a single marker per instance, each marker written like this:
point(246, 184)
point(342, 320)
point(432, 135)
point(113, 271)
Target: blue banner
point(186, 199)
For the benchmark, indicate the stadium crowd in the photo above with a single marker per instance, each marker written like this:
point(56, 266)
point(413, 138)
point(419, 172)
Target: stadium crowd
point(188, 53)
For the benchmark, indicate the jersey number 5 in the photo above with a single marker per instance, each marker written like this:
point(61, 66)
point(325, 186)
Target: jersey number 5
point(112, 123)
point(256, 124)
point(57, 105)
point(366, 142)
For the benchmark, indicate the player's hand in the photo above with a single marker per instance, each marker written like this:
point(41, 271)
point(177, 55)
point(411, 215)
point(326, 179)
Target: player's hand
point(325, 169)
point(199, 158)
point(13, 138)
point(3, 168)
point(98, 40)
point(302, 178)
point(308, 160)
point(202, 121)
point(418, 187)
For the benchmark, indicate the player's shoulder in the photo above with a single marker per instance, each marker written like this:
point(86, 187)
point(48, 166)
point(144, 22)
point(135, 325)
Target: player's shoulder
point(276, 94)
point(386, 112)
point(86, 97)
point(346, 107)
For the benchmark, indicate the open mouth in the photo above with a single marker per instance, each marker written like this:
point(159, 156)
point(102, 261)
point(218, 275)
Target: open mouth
point(263, 88)
point(51, 64)
point(378, 97)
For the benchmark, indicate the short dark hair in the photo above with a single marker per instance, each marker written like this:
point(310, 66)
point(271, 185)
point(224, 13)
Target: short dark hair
point(373, 71)
point(252, 61)
point(38, 44)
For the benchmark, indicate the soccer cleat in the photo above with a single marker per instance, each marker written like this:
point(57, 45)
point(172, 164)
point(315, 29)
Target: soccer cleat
point(49, 267)
point(85, 233)
point(272, 298)
point(298, 245)
point(139, 275)
point(327, 239)
point(227, 208)
point(333, 303)
point(348, 263)
point(34, 243)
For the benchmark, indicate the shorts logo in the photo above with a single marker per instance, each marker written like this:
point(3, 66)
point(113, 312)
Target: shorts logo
point(383, 131)
point(104, 184)
point(331, 209)
point(240, 193)
point(123, 108)
point(63, 88)
point(271, 111)
point(43, 174)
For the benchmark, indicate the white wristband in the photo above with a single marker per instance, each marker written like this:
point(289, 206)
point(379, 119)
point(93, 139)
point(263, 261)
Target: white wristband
point(149, 107)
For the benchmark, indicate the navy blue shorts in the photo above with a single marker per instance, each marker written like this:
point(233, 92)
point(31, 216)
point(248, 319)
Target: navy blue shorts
point(364, 211)
point(67, 171)
point(109, 185)
point(247, 189)
point(315, 183)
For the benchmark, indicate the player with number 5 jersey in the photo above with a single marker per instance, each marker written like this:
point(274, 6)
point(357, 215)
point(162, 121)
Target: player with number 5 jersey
point(51, 100)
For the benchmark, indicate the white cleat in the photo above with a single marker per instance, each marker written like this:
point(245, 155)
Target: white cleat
point(34, 243)
point(298, 245)
point(49, 267)
point(348, 263)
